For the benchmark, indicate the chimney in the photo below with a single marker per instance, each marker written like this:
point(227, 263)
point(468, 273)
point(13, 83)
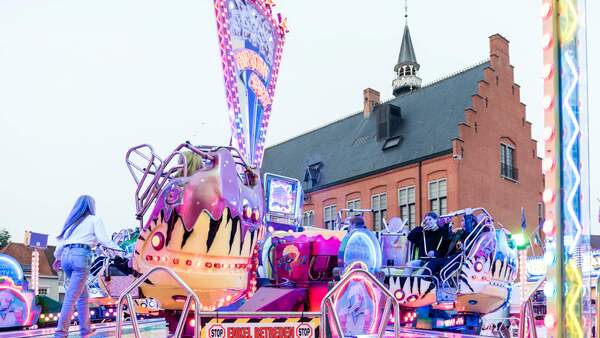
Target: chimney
point(370, 99)
point(499, 50)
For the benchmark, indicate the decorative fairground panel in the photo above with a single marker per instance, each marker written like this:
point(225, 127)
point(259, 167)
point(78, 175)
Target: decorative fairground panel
point(567, 224)
point(251, 40)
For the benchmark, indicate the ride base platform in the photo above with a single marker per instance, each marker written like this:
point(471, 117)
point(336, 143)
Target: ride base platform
point(150, 328)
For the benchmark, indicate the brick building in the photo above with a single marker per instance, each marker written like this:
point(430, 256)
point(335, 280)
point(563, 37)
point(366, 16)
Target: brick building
point(462, 141)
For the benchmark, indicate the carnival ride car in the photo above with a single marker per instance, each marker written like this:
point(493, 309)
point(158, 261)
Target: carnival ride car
point(475, 282)
point(205, 224)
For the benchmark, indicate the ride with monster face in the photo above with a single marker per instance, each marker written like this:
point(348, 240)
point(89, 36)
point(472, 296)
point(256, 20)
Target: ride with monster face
point(205, 225)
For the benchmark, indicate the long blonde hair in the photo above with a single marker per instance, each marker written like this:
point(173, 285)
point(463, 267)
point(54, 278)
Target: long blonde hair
point(194, 162)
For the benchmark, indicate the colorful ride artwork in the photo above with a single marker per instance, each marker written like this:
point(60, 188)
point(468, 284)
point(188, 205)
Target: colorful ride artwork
point(17, 302)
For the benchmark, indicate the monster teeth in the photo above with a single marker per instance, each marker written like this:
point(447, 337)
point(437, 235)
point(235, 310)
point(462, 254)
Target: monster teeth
point(196, 243)
point(246, 245)
point(220, 244)
point(235, 244)
point(176, 238)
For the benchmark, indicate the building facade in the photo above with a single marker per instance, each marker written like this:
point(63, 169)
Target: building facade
point(460, 142)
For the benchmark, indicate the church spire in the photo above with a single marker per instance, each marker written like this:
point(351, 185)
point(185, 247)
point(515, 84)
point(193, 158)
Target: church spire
point(407, 67)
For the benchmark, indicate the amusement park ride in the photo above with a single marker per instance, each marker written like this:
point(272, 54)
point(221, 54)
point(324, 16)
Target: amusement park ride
point(220, 251)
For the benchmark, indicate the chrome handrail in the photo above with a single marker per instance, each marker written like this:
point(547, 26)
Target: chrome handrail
point(327, 305)
point(597, 305)
point(131, 305)
point(526, 306)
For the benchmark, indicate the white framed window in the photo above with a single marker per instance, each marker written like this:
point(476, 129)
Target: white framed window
point(379, 207)
point(407, 204)
point(353, 204)
point(308, 218)
point(329, 216)
point(438, 196)
point(507, 162)
point(43, 291)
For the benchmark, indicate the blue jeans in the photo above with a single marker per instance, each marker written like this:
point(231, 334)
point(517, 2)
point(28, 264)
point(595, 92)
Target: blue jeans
point(76, 266)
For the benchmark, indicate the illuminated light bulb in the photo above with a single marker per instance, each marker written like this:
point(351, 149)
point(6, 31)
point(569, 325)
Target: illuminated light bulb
point(547, 164)
point(548, 71)
point(271, 229)
point(158, 241)
point(75, 314)
point(548, 195)
point(549, 289)
point(399, 295)
point(192, 322)
point(548, 133)
point(547, 102)
point(546, 10)
point(110, 310)
point(92, 312)
point(548, 227)
point(255, 215)
point(549, 258)
point(478, 266)
point(550, 320)
point(247, 211)
point(42, 316)
point(547, 41)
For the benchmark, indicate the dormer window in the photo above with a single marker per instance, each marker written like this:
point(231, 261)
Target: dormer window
point(312, 174)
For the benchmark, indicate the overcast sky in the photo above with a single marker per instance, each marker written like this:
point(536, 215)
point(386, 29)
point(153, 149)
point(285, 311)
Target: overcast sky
point(82, 81)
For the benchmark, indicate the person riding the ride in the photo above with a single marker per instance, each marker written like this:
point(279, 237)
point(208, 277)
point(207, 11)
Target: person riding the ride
point(430, 240)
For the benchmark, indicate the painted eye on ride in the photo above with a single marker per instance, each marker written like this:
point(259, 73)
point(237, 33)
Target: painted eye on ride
point(247, 212)
point(158, 241)
point(478, 266)
point(411, 298)
point(255, 215)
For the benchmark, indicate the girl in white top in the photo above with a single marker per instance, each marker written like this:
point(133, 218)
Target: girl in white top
point(81, 231)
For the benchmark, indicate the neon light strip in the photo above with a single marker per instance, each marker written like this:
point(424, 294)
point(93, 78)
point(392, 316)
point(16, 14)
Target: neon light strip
point(573, 297)
point(573, 142)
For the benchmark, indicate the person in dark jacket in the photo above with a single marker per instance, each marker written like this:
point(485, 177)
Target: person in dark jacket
point(430, 240)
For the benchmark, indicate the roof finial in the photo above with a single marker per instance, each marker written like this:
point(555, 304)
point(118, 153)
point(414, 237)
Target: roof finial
point(406, 11)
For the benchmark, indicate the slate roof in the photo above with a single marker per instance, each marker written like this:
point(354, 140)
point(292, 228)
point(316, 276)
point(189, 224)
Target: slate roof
point(22, 254)
point(407, 54)
point(348, 148)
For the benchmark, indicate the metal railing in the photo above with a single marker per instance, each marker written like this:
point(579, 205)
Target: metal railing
point(131, 305)
point(327, 306)
point(526, 310)
point(597, 305)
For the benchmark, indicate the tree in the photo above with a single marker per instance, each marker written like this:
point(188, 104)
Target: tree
point(4, 238)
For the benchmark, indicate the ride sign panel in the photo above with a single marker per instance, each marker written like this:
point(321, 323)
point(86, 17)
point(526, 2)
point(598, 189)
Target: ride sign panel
point(266, 328)
point(251, 38)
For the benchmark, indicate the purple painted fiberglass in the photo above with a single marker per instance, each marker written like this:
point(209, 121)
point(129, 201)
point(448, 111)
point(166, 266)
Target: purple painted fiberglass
point(205, 223)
